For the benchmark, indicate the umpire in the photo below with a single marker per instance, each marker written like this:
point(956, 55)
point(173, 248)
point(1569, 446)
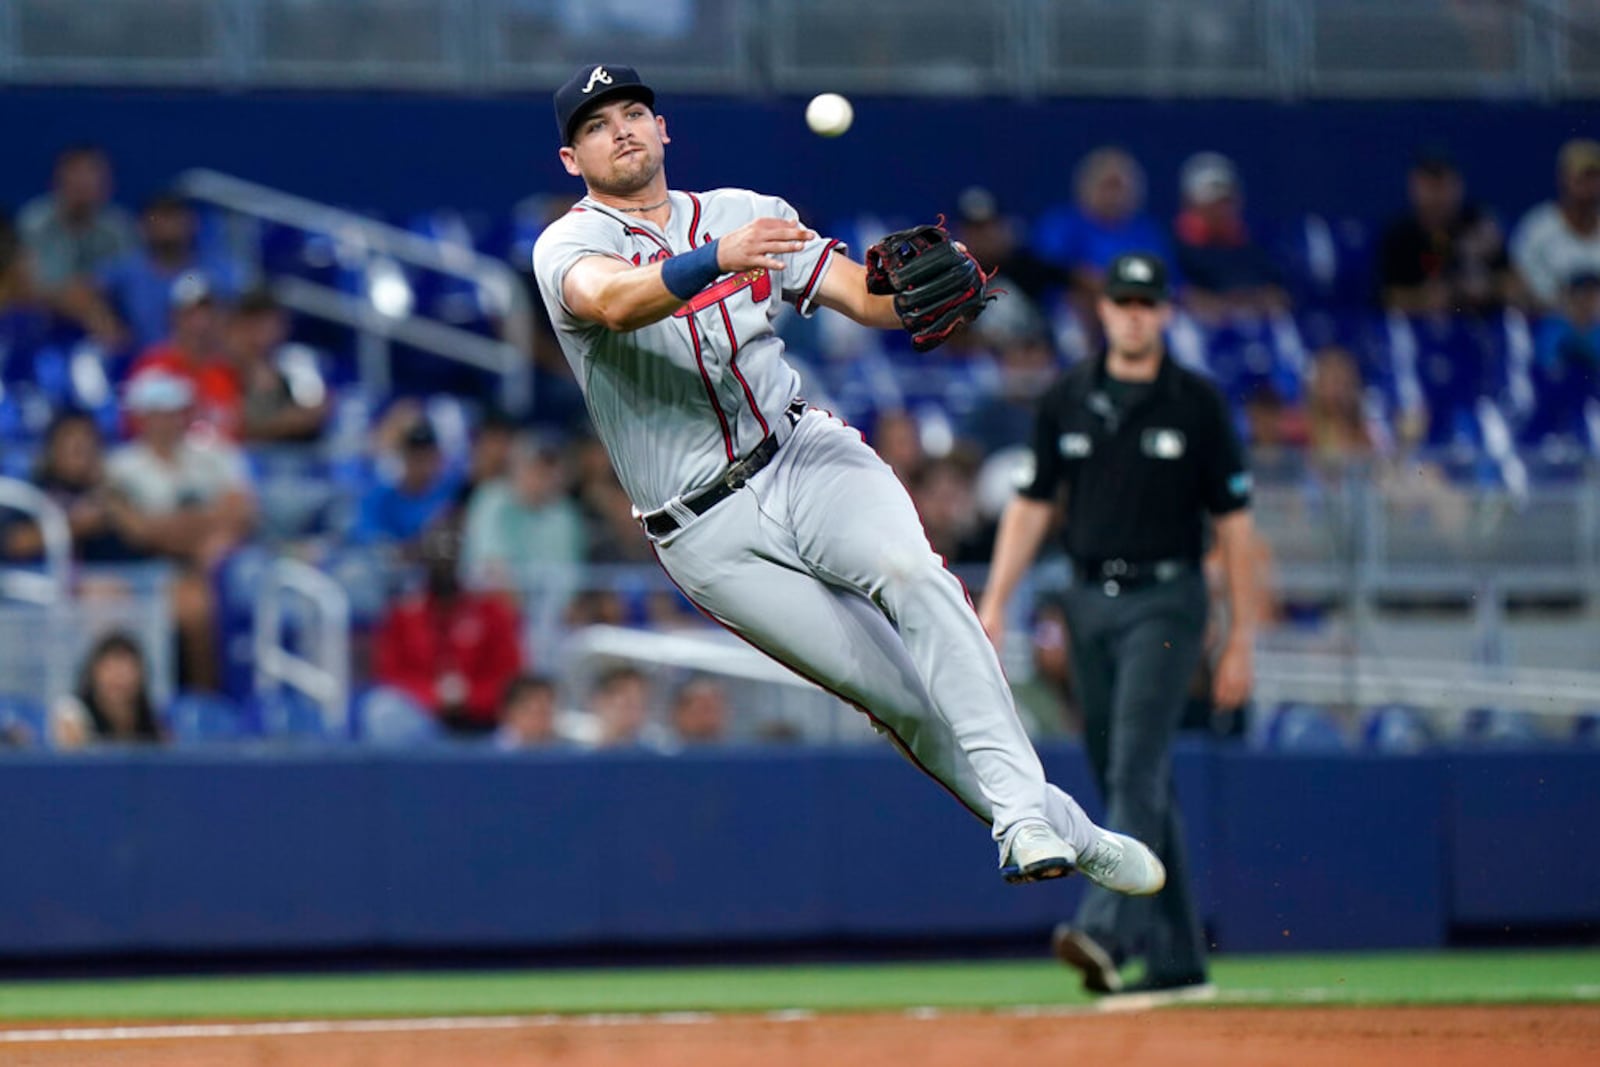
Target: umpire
point(1143, 451)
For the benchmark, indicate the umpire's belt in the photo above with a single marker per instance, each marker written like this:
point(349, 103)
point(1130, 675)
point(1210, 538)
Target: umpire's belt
point(1116, 576)
point(662, 522)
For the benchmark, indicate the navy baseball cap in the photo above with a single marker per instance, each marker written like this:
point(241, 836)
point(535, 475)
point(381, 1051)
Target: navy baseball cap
point(1137, 276)
point(595, 84)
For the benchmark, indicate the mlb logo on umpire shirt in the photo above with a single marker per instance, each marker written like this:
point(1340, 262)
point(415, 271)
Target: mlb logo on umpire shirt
point(1163, 444)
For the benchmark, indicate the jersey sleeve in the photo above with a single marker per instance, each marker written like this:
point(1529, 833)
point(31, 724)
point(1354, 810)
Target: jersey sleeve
point(803, 270)
point(1225, 478)
point(1047, 468)
point(575, 236)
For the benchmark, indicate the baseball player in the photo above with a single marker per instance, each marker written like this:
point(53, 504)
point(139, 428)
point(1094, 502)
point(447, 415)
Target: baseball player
point(777, 520)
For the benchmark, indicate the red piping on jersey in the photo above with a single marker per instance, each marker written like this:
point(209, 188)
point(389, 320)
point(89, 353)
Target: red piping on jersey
point(904, 748)
point(816, 273)
point(634, 230)
point(694, 221)
point(711, 393)
point(733, 365)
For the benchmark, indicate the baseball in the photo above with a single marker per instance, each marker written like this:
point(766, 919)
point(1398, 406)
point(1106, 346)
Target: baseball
point(829, 114)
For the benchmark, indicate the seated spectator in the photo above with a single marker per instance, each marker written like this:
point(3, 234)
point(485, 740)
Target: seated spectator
point(112, 702)
point(700, 713)
point(1225, 272)
point(284, 398)
point(613, 534)
point(490, 459)
point(525, 523)
point(1566, 365)
point(193, 352)
point(71, 233)
point(1336, 420)
point(992, 240)
point(528, 714)
point(1005, 417)
point(1106, 219)
point(16, 278)
point(184, 497)
point(400, 511)
point(619, 711)
point(1448, 254)
point(139, 285)
point(944, 493)
point(896, 439)
point(1561, 238)
point(71, 472)
point(452, 650)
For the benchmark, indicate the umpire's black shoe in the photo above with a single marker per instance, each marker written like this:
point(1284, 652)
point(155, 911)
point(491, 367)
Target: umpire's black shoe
point(1077, 949)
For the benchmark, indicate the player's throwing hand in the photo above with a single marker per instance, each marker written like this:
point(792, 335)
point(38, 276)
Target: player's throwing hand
point(759, 242)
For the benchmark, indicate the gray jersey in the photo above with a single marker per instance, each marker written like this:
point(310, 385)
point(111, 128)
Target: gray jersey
point(677, 401)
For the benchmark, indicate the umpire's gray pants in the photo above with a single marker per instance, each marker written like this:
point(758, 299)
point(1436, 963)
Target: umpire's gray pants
point(1133, 657)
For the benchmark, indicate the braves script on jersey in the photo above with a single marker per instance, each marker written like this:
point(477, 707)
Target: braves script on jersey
point(677, 401)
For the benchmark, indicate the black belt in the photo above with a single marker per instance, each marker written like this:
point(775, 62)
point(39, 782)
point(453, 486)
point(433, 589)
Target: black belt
point(662, 522)
point(1120, 575)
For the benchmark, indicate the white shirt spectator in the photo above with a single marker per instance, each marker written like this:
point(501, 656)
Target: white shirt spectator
point(202, 470)
point(1547, 253)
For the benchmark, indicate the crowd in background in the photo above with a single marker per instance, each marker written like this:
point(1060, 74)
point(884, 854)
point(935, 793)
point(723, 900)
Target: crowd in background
point(201, 372)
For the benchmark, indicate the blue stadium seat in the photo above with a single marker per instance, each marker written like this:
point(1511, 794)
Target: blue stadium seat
point(23, 722)
point(1395, 728)
point(1305, 728)
point(208, 718)
point(385, 716)
point(1500, 728)
point(1328, 262)
point(289, 715)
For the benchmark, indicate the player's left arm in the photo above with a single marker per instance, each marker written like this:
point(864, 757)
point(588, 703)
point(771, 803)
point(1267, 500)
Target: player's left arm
point(844, 289)
point(1227, 488)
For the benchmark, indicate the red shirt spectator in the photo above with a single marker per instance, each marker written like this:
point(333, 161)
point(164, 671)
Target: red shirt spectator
point(193, 353)
point(452, 650)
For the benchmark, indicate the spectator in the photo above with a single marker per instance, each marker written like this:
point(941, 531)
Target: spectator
point(1225, 271)
point(112, 702)
point(619, 710)
point(526, 522)
point(1336, 419)
point(700, 713)
point(490, 459)
point(992, 240)
point(16, 279)
point(1106, 220)
point(71, 472)
point(944, 494)
point(193, 352)
point(1561, 238)
point(75, 229)
point(139, 285)
point(1448, 253)
point(184, 497)
point(450, 649)
point(71, 233)
point(284, 397)
point(1004, 418)
point(898, 442)
point(528, 714)
point(613, 534)
point(400, 511)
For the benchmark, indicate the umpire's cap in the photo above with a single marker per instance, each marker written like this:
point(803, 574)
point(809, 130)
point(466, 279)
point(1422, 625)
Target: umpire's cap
point(592, 85)
point(1137, 276)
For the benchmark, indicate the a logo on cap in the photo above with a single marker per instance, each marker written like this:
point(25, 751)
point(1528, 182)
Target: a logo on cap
point(598, 74)
point(1137, 270)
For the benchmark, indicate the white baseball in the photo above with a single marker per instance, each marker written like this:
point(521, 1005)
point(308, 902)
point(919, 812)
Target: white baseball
point(829, 114)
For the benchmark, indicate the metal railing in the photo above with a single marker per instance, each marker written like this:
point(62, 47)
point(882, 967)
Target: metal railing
point(54, 584)
point(1276, 48)
point(319, 612)
point(366, 241)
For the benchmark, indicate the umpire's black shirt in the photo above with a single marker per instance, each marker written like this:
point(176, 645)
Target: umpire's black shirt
point(1141, 463)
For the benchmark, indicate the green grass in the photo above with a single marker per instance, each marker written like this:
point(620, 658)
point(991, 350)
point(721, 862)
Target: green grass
point(1454, 978)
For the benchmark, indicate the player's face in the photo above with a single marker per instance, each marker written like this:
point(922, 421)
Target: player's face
point(618, 148)
point(1133, 327)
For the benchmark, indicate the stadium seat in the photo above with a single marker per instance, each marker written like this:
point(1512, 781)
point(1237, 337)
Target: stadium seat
point(23, 722)
point(388, 717)
point(1500, 728)
point(1304, 728)
point(207, 718)
point(1395, 728)
point(289, 715)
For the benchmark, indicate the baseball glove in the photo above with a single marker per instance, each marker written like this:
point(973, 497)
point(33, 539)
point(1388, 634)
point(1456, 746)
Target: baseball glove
point(936, 285)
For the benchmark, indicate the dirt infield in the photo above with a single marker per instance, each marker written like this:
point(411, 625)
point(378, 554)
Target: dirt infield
point(1223, 1037)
